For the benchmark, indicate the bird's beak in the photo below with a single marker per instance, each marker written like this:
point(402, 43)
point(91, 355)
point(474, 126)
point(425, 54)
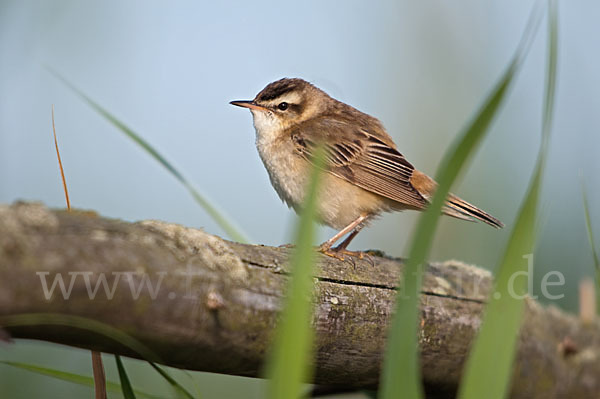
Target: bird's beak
point(248, 104)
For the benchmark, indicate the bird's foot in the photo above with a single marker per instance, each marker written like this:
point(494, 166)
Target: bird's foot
point(341, 253)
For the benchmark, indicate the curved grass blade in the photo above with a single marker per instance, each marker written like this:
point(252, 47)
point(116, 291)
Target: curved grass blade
point(60, 165)
point(217, 215)
point(179, 389)
point(401, 372)
point(193, 381)
point(590, 232)
point(34, 319)
point(97, 366)
point(73, 378)
point(97, 327)
point(489, 368)
point(288, 364)
point(125, 384)
point(588, 223)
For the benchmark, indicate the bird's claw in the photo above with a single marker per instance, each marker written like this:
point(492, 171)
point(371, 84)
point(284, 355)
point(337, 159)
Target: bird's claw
point(341, 253)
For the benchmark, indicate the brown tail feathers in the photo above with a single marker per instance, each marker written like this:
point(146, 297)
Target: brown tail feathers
point(455, 206)
point(461, 209)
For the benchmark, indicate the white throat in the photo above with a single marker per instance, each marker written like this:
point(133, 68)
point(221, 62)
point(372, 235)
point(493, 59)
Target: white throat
point(276, 155)
point(267, 128)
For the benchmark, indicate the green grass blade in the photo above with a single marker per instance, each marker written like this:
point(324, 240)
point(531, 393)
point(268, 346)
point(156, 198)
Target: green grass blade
point(401, 372)
point(72, 378)
point(489, 368)
point(179, 389)
point(590, 233)
point(551, 73)
point(41, 319)
point(125, 384)
point(193, 381)
point(289, 359)
point(212, 210)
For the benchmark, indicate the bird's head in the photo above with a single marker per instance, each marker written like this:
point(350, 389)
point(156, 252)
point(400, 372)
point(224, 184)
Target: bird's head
point(284, 103)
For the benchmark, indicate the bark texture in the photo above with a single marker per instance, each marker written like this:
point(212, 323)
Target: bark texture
point(217, 304)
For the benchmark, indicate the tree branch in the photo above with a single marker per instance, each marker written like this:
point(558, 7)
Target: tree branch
point(217, 304)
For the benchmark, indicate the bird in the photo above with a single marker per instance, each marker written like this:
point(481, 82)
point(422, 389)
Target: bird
point(364, 175)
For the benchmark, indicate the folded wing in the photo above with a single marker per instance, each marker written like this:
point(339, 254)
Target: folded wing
point(360, 157)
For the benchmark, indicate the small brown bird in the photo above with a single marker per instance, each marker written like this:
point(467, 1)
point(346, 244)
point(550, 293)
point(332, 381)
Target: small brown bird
point(366, 174)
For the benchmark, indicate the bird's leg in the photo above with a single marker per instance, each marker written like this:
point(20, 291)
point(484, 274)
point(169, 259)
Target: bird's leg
point(344, 244)
point(339, 251)
point(355, 223)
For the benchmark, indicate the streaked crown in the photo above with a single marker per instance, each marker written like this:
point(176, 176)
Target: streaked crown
point(292, 100)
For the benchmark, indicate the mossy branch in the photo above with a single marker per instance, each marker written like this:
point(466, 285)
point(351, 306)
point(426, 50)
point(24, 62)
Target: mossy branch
point(212, 304)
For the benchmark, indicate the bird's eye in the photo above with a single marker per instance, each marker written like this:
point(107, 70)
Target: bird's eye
point(283, 106)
